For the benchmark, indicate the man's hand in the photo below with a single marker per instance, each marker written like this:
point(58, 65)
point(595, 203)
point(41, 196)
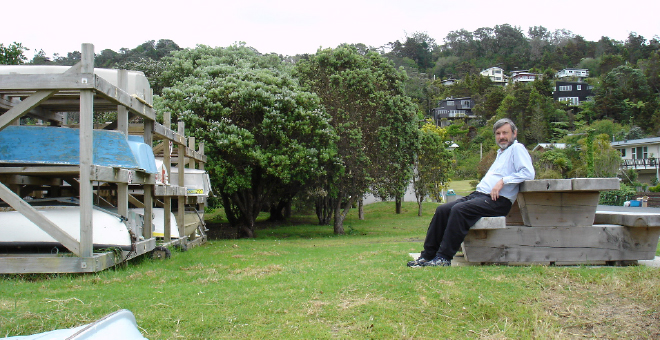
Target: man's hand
point(495, 193)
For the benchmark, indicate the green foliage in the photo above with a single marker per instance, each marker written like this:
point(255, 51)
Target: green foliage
point(265, 137)
point(617, 197)
point(432, 164)
point(12, 54)
point(553, 163)
point(375, 120)
point(655, 188)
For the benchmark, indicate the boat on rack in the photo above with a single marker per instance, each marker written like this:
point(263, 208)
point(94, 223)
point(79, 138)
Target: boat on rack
point(16, 231)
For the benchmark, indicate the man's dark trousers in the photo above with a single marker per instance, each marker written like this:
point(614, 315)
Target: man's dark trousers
point(452, 220)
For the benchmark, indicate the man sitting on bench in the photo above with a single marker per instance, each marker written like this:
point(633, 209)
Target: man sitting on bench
point(494, 196)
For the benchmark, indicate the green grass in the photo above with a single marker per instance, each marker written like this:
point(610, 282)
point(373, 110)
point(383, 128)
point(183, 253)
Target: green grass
point(462, 187)
point(303, 282)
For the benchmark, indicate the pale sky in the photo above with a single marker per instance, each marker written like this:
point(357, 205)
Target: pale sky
point(292, 27)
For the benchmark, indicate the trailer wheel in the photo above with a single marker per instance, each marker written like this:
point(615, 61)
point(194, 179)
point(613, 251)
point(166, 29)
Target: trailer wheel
point(161, 253)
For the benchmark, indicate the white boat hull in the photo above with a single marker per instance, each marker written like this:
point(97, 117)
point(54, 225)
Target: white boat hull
point(17, 231)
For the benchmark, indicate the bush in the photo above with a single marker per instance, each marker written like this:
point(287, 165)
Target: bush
point(655, 188)
point(617, 197)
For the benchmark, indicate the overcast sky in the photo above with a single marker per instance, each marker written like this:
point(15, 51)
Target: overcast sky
point(292, 27)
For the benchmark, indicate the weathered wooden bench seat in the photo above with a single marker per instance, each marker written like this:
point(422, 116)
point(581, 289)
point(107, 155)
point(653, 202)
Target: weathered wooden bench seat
point(555, 222)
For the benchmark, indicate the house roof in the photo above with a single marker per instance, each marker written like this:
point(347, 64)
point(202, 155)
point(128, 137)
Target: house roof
point(549, 145)
point(642, 141)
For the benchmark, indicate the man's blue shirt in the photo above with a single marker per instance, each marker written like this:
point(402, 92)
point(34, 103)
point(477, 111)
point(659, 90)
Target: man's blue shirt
point(513, 165)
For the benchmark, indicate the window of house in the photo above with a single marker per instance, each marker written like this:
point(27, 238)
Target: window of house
point(498, 72)
point(640, 152)
point(450, 103)
point(579, 87)
point(566, 88)
point(623, 152)
point(571, 100)
point(465, 103)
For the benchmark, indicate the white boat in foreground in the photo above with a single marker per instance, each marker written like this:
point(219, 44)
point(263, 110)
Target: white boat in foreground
point(118, 325)
point(17, 231)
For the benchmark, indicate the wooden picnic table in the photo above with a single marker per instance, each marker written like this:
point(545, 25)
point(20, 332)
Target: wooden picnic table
point(555, 222)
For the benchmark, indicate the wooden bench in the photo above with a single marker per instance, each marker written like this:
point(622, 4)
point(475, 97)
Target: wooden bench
point(555, 222)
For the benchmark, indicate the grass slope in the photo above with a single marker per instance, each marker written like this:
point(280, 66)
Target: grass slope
point(302, 282)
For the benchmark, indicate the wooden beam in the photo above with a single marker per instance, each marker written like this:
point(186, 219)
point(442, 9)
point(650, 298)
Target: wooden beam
point(86, 155)
point(39, 220)
point(181, 169)
point(106, 90)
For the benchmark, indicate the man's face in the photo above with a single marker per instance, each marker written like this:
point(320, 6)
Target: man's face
point(504, 137)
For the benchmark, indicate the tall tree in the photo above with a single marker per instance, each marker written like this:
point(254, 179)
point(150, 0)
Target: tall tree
point(432, 164)
point(370, 113)
point(263, 134)
point(12, 54)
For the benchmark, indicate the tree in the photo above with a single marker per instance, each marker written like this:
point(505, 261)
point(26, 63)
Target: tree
point(620, 93)
point(432, 164)
point(263, 134)
point(12, 54)
point(364, 96)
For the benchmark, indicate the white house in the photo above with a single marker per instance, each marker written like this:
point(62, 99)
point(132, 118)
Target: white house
point(496, 75)
point(579, 73)
point(523, 76)
point(641, 155)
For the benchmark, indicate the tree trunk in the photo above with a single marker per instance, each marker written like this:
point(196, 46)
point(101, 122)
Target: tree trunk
point(246, 231)
point(279, 211)
point(339, 219)
point(324, 210)
point(340, 214)
point(361, 208)
point(398, 204)
point(419, 208)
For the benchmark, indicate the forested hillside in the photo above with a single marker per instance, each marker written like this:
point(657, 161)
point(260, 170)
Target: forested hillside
point(372, 99)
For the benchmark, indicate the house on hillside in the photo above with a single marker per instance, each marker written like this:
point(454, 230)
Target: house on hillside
point(523, 76)
point(572, 92)
point(453, 108)
point(496, 75)
point(579, 73)
point(449, 81)
point(641, 155)
point(547, 146)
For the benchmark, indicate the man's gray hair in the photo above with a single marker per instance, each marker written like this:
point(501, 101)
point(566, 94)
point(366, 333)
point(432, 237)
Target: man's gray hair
point(498, 124)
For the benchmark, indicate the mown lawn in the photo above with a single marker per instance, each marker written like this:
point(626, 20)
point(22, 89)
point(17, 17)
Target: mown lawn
point(302, 282)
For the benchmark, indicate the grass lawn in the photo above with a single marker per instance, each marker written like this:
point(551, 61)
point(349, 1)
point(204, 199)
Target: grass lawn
point(302, 282)
point(462, 187)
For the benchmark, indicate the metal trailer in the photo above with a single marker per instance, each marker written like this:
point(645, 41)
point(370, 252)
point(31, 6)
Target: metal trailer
point(80, 88)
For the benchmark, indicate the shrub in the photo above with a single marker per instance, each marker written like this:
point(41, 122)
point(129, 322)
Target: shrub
point(617, 197)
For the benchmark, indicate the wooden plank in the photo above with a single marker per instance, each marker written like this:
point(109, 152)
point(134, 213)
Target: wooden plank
point(29, 180)
point(23, 107)
point(490, 223)
point(86, 155)
point(136, 202)
point(39, 220)
point(165, 133)
point(595, 184)
point(546, 185)
point(181, 168)
point(514, 217)
point(53, 263)
point(562, 244)
point(119, 175)
point(53, 82)
point(628, 219)
point(122, 111)
point(558, 208)
point(119, 97)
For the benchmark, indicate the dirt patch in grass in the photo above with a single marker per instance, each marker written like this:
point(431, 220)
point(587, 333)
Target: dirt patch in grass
point(600, 310)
